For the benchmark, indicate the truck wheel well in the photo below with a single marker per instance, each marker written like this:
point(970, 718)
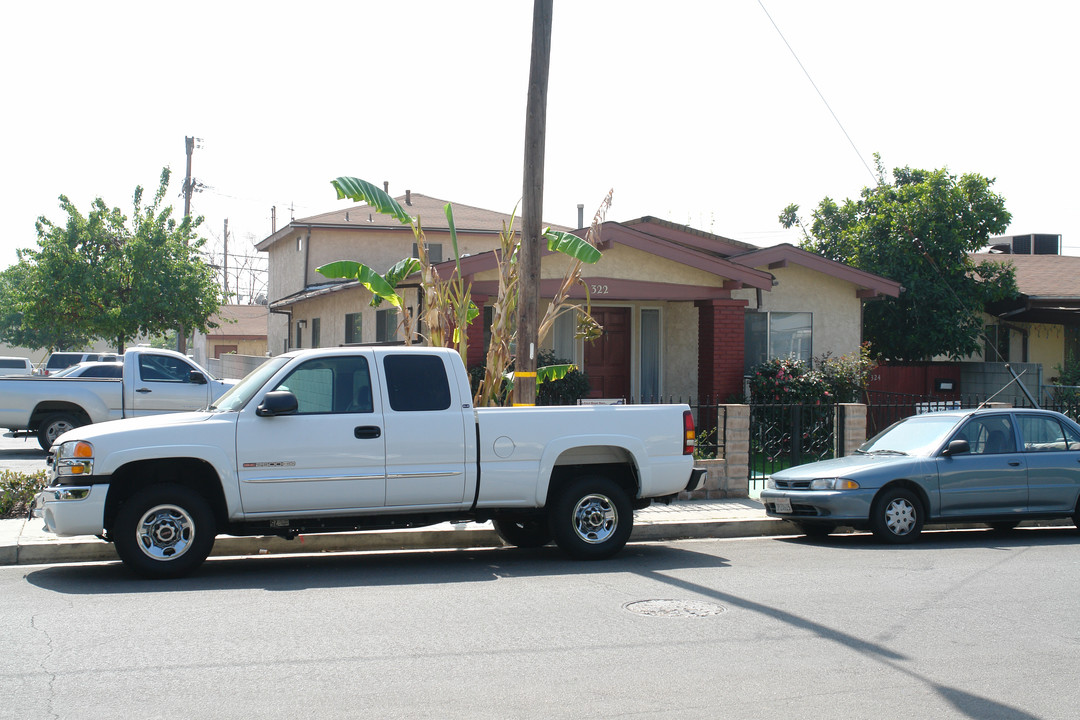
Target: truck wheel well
point(196, 474)
point(621, 473)
point(45, 409)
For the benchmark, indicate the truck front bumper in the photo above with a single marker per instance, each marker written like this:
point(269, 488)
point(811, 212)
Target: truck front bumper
point(72, 509)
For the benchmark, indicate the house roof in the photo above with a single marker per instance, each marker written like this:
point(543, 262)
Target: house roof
point(430, 210)
point(781, 255)
point(240, 321)
point(1049, 291)
point(1041, 276)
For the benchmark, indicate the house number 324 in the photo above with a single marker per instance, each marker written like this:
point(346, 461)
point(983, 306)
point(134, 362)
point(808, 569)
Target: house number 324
point(598, 289)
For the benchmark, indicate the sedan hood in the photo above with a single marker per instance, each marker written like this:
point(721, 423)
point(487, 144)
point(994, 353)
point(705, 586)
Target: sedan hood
point(849, 466)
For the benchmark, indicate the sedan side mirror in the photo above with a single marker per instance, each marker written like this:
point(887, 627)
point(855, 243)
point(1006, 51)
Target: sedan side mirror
point(956, 447)
point(277, 402)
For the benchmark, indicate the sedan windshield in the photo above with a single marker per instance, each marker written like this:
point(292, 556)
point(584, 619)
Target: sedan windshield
point(917, 435)
point(239, 394)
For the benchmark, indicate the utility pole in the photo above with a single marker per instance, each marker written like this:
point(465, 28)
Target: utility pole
point(189, 188)
point(532, 208)
point(225, 261)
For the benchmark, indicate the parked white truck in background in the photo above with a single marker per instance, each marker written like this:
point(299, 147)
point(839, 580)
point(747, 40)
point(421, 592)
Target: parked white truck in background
point(364, 438)
point(154, 381)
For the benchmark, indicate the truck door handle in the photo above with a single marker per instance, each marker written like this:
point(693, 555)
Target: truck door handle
point(367, 432)
point(1014, 464)
point(144, 390)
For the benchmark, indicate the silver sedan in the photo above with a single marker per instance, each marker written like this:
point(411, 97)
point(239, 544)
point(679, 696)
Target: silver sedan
point(993, 466)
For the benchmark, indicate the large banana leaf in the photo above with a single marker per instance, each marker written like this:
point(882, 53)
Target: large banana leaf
point(401, 270)
point(370, 279)
point(359, 190)
point(571, 245)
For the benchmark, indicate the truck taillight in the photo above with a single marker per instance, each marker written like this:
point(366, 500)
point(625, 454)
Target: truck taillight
point(688, 433)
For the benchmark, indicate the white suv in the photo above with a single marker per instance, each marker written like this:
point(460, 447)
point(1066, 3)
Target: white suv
point(15, 366)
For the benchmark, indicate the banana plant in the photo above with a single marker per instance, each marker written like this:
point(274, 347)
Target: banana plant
point(448, 308)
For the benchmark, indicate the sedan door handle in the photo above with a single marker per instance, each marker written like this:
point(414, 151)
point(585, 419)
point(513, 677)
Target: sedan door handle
point(367, 432)
point(144, 390)
point(1014, 464)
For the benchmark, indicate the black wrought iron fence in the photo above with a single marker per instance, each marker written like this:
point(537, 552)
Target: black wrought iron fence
point(782, 436)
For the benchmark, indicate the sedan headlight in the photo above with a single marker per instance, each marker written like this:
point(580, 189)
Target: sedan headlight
point(75, 457)
point(770, 484)
point(833, 484)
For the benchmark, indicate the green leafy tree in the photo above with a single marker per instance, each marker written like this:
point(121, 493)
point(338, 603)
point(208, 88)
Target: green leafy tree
point(919, 231)
point(101, 276)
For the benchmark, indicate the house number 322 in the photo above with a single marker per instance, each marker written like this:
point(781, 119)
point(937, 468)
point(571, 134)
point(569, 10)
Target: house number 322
point(598, 289)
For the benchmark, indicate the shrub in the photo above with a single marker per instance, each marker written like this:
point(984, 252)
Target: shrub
point(17, 492)
point(792, 381)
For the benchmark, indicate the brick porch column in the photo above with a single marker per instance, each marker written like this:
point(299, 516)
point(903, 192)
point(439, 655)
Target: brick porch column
point(721, 335)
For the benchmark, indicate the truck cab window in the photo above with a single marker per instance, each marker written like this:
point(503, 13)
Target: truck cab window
point(163, 368)
point(416, 383)
point(330, 385)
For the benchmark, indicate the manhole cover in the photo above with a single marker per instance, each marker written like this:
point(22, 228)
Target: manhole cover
point(675, 608)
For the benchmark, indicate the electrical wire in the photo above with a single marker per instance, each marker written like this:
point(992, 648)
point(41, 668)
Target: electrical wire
point(818, 91)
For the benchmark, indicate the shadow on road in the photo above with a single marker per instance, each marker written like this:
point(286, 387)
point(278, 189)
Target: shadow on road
point(942, 539)
point(288, 573)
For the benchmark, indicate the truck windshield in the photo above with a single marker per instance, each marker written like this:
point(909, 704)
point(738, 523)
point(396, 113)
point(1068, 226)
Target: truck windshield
point(239, 394)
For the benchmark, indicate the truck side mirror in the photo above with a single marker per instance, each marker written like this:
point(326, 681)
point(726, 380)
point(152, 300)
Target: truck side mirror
point(196, 377)
point(956, 447)
point(277, 402)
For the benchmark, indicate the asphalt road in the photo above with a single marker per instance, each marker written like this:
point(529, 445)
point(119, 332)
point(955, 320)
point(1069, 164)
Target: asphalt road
point(21, 454)
point(959, 625)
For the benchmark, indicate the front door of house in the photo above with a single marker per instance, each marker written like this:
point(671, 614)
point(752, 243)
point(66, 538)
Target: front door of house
point(607, 359)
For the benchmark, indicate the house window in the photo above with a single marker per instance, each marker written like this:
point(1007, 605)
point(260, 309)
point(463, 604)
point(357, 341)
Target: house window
point(1072, 344)
point(386, 325)
point(315, 332)
point(996, 346)
point(353, 326)
point(777, 335)
point(434, 252)
point(562, 336)
point(650, 354)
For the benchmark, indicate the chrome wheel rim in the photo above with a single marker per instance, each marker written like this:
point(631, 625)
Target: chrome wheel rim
point(595, 519)
point(900, 517)
point(57, 429)
point(165, 532)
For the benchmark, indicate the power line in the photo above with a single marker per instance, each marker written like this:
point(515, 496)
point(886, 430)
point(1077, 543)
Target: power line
point(820, 95)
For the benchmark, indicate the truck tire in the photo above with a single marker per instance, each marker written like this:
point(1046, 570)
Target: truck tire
point(53, 426)
point(591, 517)
point(164, 531)
point(524, 532)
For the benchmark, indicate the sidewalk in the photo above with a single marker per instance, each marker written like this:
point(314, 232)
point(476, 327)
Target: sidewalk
point(23, 542)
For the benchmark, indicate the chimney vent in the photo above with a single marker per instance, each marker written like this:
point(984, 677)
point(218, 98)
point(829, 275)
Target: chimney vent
point(386, 186)
point(581, 215)
point(408, 197)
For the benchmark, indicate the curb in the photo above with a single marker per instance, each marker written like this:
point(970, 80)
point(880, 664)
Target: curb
point(91, 549)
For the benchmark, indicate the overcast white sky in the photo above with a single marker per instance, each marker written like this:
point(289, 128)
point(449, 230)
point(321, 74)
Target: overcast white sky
point(695, 112)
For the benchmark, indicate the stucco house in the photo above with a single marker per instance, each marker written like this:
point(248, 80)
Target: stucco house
point(685, 312)
point(1042, 325)
point(241, 330)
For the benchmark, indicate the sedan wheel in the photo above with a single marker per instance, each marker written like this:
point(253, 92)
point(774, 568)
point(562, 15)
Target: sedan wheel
point(897, 516)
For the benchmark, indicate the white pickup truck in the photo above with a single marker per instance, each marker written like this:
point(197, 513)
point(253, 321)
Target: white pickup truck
point(346, 439)
point(154, 381)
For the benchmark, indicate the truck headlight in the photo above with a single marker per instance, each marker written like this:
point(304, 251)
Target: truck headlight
point(75, 457)
point(833, 484)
